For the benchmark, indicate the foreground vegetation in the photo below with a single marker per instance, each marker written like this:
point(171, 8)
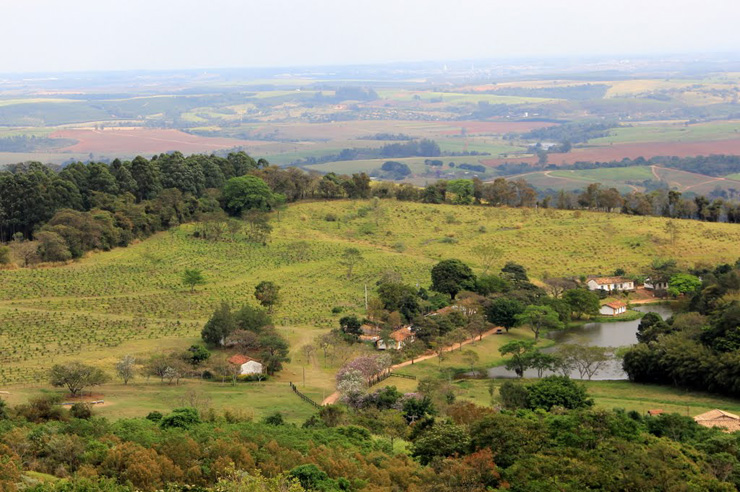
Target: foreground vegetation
point(448, 446)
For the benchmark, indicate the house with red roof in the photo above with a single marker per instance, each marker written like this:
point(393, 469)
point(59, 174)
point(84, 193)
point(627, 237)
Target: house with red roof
point(247, 364)
point(610, 284)
point(613, 308)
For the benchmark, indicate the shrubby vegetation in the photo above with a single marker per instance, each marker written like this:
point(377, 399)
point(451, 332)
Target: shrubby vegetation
point(563, 445)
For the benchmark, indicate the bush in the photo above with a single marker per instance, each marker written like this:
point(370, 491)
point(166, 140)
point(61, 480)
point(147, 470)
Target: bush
point(81, 411)
point(182, 418)
point(558, 391)
point(274, 419)
point(154, 416)
point(514, 395)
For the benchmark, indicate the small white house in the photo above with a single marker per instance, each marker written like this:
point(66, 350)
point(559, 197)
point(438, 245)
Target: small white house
point(613, 308)
point(247, 364)
point(610, 283)
point(657, 285)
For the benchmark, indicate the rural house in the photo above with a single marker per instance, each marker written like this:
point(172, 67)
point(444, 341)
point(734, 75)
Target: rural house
point(719, 418)
point(610, 283)
point(399, 338)
point(657, 285)
point(247, 364)
point(613, 308)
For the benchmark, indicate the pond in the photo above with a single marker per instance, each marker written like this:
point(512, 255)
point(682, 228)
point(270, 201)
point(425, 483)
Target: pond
point(613, 334)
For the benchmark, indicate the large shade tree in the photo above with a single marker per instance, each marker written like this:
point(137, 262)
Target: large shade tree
point(452, 276)
point(248, 193)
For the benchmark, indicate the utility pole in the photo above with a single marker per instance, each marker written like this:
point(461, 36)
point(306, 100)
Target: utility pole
point(365, 298)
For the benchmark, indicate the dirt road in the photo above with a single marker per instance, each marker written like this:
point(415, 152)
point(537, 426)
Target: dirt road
point(331, 399)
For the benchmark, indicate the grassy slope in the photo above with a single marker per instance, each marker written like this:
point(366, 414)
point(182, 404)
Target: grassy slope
point(130, 300)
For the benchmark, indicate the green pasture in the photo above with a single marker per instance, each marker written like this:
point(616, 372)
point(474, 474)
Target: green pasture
point(493, 146)
point(632, 173)
point(544, 180)
point(617, 394)
point(671, 132)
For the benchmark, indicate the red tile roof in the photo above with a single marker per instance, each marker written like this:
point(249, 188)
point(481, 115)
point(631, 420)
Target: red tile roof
point(401, 334)
point(616, 304)
point(240, 359)
point(610, 280)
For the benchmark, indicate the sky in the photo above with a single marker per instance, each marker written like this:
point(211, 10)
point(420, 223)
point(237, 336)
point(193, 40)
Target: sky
point(83, 35)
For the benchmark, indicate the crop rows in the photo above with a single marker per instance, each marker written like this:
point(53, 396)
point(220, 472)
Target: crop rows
point(135, 293)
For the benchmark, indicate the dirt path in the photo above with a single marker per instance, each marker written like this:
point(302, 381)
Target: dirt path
point(331, 399)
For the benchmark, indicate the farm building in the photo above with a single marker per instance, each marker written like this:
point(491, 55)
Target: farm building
point(719, 418)
point(657, 285)
point(610, 283)
point(399, 338)
point(613, 308)
point(248, 365)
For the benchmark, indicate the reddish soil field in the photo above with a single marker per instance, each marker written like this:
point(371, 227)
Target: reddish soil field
point(632, 151)
point(497, 127)
point(143, 140)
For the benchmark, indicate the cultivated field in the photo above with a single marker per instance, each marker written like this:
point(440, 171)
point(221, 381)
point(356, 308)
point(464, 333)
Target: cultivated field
point(132, 141)
point(131, 299)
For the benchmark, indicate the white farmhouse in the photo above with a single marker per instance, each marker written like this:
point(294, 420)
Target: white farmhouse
point(610, 283)
point(656, 285)
point(613, 308)
point(247, 364)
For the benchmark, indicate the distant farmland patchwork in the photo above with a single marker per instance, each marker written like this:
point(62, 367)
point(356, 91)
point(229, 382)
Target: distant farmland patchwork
point(309, 122)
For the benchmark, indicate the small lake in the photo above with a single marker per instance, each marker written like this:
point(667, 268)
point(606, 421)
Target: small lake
point(613, 334)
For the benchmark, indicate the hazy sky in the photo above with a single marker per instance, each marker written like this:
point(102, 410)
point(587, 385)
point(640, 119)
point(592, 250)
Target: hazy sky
point(70, 35)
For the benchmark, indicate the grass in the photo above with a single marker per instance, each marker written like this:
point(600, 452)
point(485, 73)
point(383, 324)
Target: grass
point(632, 173)
point(671, 132)
point(620, 394)
point(131, 301)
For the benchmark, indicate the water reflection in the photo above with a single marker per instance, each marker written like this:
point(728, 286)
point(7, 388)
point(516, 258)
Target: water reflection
point(616, 334)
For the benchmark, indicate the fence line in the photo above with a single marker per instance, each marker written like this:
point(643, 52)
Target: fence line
point(302, 396)
point(385, 375)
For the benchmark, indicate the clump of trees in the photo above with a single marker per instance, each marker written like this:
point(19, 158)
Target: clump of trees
point(249, 331)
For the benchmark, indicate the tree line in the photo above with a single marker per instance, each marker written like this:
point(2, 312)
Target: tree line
point(698, 348)
point(85, 206)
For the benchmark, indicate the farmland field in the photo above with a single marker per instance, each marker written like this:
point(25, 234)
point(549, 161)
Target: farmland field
point(132, 141)
point(131, 298)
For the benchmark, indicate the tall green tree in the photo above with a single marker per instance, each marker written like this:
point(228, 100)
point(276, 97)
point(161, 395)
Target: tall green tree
point(221, 324)
point(503, 311)
point(247, 193)
point(268, 294)
point(519, 351)
point(539, 318)
point(451, 276)
point(582, 301)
